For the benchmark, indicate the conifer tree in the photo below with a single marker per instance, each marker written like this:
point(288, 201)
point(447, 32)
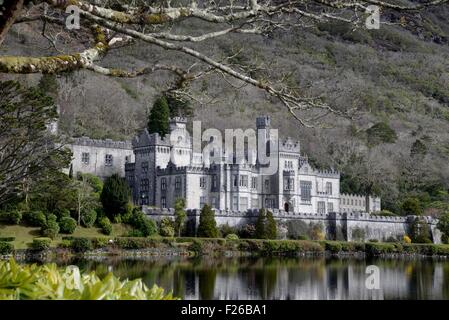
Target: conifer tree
point(115, 196)
point(208, 225)
point(180, 215)
point(260, 224)
point(270, 227)
point(158, 121)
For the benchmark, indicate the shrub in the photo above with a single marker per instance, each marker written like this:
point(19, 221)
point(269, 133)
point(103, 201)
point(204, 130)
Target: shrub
point(117, 219)
point(333, 247)
point(7, 239)
point(145, 225)
point(81, 244)
point(391, 239)
point(100, 242)
point(406, 239)
point(411, 206)
point(15, 217)
point(51, 228)
point(67, 225)
point(444, 239)
point(227, 229)
point(420, 231)
point(247, 231)
point(88, 218)
point(166, 227)
point(208, 226)
point(63, 213)
point(36, 218)
point(105, 225)
point(316, 231)
point(41, 244)
point(6, 248)
point(52, 278)
point(358, 234)
point(376, 249)
point(381, 132)
point(115, 196)
point(232, 236)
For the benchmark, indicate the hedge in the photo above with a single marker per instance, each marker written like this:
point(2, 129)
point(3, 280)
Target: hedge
point(40, 244)
point(81, 244)
point(6, 248)
point(7, 239)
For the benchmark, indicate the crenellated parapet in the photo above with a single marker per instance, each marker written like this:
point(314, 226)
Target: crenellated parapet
point(107, 143)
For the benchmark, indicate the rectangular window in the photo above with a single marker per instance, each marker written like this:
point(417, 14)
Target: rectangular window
point(244, 181)
point(306, 191)
point(163, 184)
point(202, 182)
point(330, 207)
point(85, 157)
point(127, 159)
point(344, 201)
point(214, 203)
point(235, 180)
point(289, 184)
point(243, 203)
point(321, 207)
point(235, 203)
point(108, 160)
point(254, 183)
point(214, 182)
point(269, 203)
point(163, 202)
point(267, 185)
point(202, 201)
point(144, 166)
point(328, 187)
point(178, 183)
point(254, 203)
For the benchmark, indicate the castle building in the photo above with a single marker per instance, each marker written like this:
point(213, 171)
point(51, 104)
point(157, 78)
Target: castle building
point(359, 203)
point(102, 158)
point(167, 168)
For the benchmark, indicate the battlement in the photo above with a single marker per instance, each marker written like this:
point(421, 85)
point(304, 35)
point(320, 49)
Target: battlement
point(327, 173)
point(178, 120)
point(107, 143)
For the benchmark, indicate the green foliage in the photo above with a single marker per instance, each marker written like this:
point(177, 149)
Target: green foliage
point(333, 246)
point(265, 225)
point(420, 231)
point(180, 215)
point(411, 206)
point(158, 120)
point(51, 228)
point(115, 196)
point(443, 225)
point(67, 225)
point(376, 249)
point(6, 248)
point(380, 133)
point(418, 148)
point(81, 244)
point(227, 229)
point(95, 182)
point(248, 231)
point(208, 226)
point(48, 282)
point(89, 217)
point(63, 213)
point(40, 244)
point(358, 234)
point(179, 107)
point(7, 239)
point(105, 225)
point(15, 217)
point(166, 228)
point(36, 218)
point(146, 226)
point(29, 151)
point(232, 236)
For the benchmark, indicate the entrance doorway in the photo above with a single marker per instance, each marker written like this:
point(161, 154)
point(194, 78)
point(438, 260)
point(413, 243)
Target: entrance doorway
point(286, 207)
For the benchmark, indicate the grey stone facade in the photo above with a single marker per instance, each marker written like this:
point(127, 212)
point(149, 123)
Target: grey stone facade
point(100, 157)
point(336, 226)
point(166, 168)
point(359, 203)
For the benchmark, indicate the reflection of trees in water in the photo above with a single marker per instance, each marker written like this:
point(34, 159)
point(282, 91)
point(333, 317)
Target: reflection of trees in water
point(206, 283)
point(277, 277)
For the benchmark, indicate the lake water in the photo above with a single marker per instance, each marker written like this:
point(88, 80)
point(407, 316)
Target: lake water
point(282, 278)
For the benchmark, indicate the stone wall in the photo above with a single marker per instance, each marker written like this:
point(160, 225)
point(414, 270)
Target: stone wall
point(336, 226)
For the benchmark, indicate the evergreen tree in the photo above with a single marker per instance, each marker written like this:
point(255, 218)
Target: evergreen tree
point(260, 225)
point(115, 196)
point(180, 215)
point(208, 225)
point(270, 227)
point(158, 121)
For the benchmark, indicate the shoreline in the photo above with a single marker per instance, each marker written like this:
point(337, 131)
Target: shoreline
point(213, 247)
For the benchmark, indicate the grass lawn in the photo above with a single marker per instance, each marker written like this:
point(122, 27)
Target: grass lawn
point(25, 235)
